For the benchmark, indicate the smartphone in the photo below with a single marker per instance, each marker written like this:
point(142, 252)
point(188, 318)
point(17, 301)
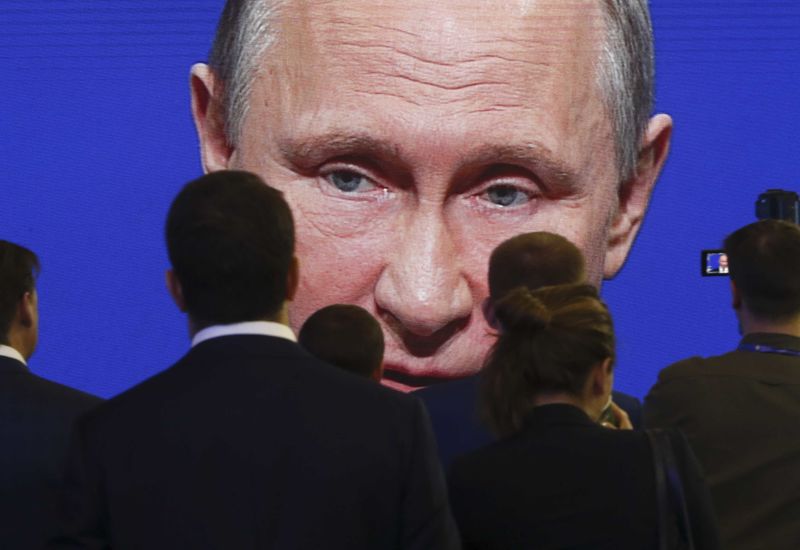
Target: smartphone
point(608, 415)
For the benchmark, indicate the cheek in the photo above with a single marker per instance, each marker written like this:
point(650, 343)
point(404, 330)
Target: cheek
point(342, 253)
point(583, 222)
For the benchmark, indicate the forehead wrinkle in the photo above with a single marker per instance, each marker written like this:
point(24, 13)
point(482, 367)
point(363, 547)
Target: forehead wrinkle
point(388, 70)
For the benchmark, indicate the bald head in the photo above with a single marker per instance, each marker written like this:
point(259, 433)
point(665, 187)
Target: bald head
point(534, 260)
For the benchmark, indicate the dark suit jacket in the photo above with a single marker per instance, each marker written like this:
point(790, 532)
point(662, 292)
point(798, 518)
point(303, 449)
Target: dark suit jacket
point(741, 413)
point(248, 442)
point(36, 417)
point(453, 407)
point(565, 482)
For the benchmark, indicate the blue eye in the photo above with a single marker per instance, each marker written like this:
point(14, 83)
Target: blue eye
point(506, 195)
point(349, 182)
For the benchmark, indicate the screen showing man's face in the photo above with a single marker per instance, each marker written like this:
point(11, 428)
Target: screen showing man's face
point(412, 138)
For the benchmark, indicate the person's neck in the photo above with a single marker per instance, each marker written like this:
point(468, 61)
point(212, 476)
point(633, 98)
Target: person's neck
point(751, 325)
point(18, 340)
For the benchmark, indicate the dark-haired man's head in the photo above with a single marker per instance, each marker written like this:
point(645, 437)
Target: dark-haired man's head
point(764, 266)
point(19, 316)
point(532, 260)
point(230, 239)
point(346, 336)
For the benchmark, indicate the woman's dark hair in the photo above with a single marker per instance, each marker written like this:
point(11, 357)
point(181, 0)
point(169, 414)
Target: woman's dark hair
point(549, 341)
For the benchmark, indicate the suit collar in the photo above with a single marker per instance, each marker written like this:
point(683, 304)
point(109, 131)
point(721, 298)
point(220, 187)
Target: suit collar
point(557, 414)
point(12, 353)
point(236, 344)
point(263, 328)
point(9, 365)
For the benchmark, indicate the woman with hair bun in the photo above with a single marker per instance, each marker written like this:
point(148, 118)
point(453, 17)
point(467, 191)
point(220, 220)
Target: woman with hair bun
point(556, 478)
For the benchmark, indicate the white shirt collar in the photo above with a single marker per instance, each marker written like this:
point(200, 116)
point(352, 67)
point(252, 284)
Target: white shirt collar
point(264, 328)
point(8, 351)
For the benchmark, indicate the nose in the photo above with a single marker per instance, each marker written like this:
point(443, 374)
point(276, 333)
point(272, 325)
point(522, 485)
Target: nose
point(422, 293)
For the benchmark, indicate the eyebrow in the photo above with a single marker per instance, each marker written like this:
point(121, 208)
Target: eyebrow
point(316, 149)
point(534, 156)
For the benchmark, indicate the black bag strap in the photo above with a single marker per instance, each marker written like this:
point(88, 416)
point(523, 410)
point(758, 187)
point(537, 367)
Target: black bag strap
point(672, 511)
point(662, 499)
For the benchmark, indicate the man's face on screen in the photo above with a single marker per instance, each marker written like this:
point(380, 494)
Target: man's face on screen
point(411, 137)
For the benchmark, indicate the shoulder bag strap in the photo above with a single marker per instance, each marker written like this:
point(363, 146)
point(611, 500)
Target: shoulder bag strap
point(662, 510)
point(672, 511)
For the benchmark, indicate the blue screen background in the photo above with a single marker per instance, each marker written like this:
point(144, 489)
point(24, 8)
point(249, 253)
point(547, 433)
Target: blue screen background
point(96, 138)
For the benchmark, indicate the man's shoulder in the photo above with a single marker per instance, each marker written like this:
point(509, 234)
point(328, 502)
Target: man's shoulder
point(237, 370)
point(697, 367)
point(49, 396)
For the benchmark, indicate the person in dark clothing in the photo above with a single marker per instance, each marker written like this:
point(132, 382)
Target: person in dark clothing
point(36, 415)
point(556, 478)
point(248, 441)
point(531, 260)
point(741, 410)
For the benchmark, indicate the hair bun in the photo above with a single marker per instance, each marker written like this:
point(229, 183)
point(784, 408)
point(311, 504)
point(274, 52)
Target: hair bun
point(521, 310)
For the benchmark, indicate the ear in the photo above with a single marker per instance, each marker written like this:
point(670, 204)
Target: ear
point(26, 310)
point(175, 290)
point(634, 193)
point(293, 280)
point(208, 114)
point(488, 313)
point(602, 378)
point(736, 296)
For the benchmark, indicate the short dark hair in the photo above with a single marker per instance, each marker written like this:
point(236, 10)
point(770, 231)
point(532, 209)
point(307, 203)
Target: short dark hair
point(19, 268)
point(534, 260)
point(346, 336)
point(230, 239)
point(764, 263)
point(551, 339)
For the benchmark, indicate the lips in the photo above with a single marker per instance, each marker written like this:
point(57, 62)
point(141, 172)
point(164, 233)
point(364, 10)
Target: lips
point(398, 378)
point(459, 357)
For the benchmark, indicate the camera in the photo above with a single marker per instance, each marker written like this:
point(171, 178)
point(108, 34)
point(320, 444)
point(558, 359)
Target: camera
point(777, 204)
point(772, 204)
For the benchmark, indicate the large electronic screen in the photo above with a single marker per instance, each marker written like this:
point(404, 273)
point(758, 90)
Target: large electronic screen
point(96, 138)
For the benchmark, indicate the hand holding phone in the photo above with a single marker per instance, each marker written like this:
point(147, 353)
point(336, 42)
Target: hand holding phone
point(614, 417)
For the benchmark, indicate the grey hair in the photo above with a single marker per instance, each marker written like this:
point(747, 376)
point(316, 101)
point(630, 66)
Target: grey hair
point(627, 77)
point(244, 33)
point(626, 68)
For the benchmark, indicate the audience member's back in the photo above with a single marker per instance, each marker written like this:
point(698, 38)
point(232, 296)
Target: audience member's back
point(345, 336)
point(555, 478)
point(36, 415)
point(531, 260)
point(741, 410)
point(248, 441)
